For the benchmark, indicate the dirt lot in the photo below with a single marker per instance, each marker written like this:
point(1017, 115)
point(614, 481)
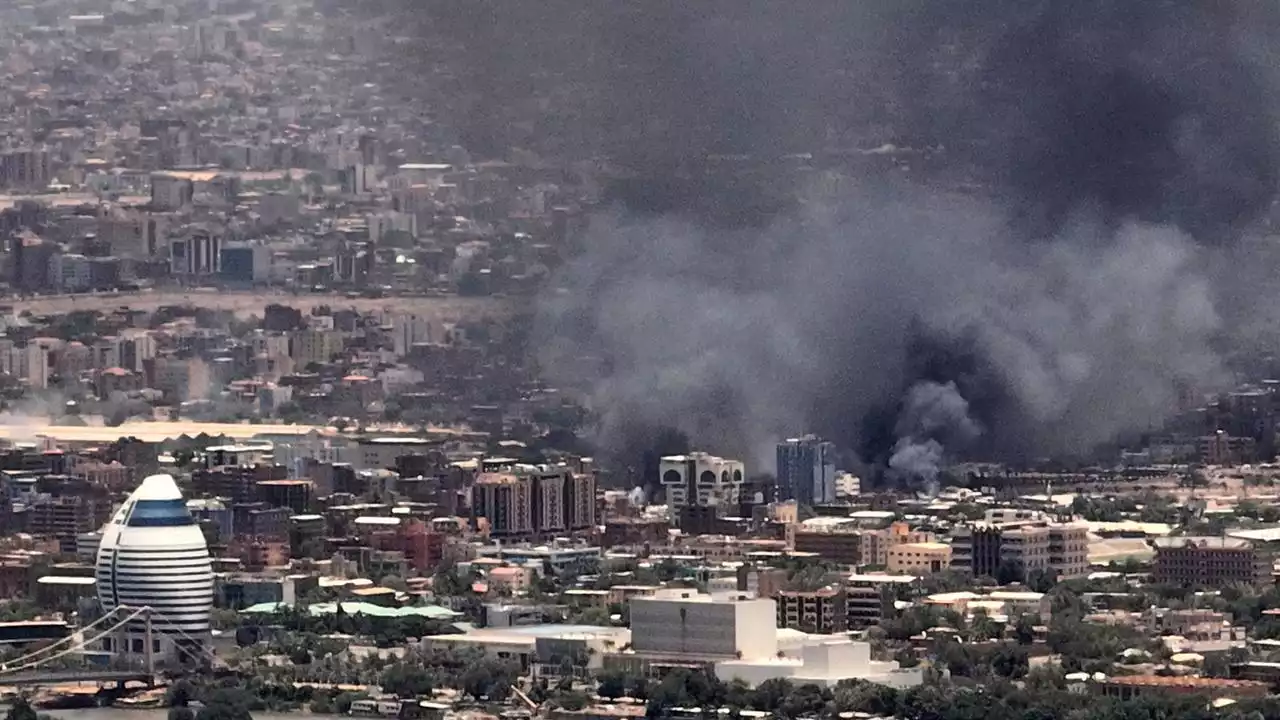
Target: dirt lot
point(251, 303)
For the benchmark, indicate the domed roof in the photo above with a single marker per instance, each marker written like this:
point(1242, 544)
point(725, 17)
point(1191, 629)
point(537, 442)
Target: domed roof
point(156, 503)
point(157, 487)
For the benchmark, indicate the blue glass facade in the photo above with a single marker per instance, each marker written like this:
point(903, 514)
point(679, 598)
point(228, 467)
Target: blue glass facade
point(160, 513)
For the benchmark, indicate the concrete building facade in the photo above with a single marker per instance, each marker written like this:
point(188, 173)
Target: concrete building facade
point(806, 470)
point(1210, 562)
point(699, 479)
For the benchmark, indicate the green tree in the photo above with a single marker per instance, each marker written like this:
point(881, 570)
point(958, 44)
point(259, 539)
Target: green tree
point(1024, 629)
point(1009, 572)
point(612, 685)
point(181, 713)
point(20, 709)
point(737, 694)
point(806, 700)
point(572, 700)
point(865, 697)
point(1041, 581)
point(983, 627)
point(768, 695)
point(322, 703)
point(639, 687)
point(180, 694)
point(342, 701)
point(226, 704)
point(489, 678)
point(1010, 661)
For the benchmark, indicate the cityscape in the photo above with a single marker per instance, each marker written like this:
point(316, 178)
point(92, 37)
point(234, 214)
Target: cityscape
point(596, 361)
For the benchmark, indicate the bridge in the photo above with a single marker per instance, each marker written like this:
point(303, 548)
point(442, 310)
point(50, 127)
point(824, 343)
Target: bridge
point(76, 675)
point(39, 668)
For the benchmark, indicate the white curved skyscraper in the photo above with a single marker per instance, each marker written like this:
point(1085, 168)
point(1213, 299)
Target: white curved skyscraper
point(154, 555)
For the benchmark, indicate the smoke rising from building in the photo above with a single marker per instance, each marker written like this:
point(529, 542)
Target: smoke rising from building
point(933, 416)
point(1052, 259)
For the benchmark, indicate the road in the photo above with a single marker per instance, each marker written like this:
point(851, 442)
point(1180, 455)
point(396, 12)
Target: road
point(251, 303)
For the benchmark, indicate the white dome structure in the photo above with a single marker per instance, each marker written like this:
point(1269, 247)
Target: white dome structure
point(154, 555)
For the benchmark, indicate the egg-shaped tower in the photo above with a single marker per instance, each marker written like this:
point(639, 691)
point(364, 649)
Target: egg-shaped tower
point(154, 555)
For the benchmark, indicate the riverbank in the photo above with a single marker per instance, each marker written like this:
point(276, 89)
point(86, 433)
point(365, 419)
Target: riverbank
point(161, 714)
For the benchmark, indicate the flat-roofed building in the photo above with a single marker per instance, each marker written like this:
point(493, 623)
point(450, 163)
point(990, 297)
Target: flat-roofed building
point(1022, 547)
point(702, 480)
point(840, 546)
point(691, 623)
point(867, 596)
point(919, 558)
point(1068, 550)
point(736, 638)
point(1131, 686)
point(1210, 562)
point(533, 502)
point(823, 612)
point(520, 643)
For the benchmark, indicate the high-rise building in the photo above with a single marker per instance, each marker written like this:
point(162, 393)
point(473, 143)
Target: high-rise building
point(807, 470)
point(526, 501)
point(200, 253)
point(505, 502)
point(28, 168)
point(407, 330)
point(153, 555)
point(315, 346)
point(699, 479)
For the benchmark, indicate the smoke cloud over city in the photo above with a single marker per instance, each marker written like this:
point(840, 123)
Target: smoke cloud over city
point(1030, 264)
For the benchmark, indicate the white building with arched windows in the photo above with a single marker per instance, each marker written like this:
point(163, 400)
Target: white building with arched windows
point(702, 480)
point(154, 555)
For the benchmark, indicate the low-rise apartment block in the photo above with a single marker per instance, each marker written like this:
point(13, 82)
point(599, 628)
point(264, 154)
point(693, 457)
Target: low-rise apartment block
point(1210, 562)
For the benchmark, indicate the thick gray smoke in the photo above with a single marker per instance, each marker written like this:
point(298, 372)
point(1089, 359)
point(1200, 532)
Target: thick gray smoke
point(1048, 248)
point(807, 324)
point(933, 416)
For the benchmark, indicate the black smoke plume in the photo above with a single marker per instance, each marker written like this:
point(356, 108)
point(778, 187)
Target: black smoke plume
point(824, 210)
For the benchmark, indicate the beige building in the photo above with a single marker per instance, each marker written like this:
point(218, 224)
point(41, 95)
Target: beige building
point(1029, 545)
point(919, 558)
point(1069, 550)
point(1026, 546)
point(315, 346)
point(878, 544)
point(996, 604)
point(181, 379)
point(840, 540)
